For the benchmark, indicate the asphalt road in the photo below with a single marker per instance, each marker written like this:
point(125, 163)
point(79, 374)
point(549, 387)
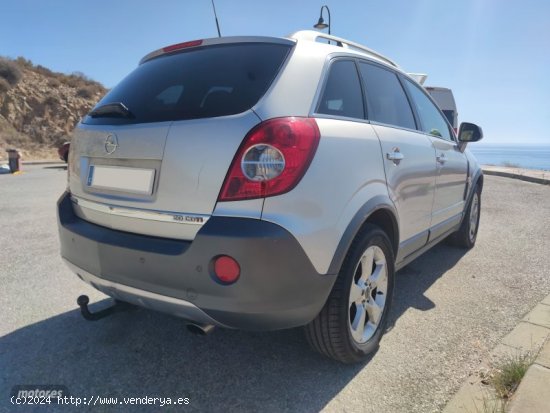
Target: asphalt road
point(451, 308)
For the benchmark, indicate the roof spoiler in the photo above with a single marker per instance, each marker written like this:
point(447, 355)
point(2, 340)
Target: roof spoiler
point(419, 77)
point(212, 41)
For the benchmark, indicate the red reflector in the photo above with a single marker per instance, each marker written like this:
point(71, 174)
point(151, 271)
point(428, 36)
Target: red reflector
point(183, 45)
point(227, 269)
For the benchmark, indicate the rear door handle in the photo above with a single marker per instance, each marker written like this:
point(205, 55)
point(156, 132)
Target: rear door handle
point(395, 156)
point(441, 158)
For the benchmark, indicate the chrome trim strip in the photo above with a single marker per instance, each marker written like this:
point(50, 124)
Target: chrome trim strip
point(146, 299)
point(162, 216)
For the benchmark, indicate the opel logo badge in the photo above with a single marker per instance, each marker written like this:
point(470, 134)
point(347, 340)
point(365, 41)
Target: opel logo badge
point(111, 143)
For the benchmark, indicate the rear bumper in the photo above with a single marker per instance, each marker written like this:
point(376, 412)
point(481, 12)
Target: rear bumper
point(278, 287)
point(146, 299)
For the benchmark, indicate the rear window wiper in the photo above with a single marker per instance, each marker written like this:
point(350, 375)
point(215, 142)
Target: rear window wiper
point(111, 110)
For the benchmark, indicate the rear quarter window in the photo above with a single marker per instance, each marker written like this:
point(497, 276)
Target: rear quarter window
point(342, 92)
point(198, 83)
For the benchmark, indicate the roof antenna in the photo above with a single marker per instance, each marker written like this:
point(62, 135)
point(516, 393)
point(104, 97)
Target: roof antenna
point(216, 16)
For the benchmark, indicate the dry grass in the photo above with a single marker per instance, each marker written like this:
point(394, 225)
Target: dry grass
point(86, 92)
point(30, 150)
point(492, 404)
point(4, 86)
point(10, 71)
point(504, 378)
point(508, 374)
point(53, 82)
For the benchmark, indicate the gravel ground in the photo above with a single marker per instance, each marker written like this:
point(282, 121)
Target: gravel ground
point(450, 309)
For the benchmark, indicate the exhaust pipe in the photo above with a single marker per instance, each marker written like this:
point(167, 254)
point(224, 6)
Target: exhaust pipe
point(200, 329)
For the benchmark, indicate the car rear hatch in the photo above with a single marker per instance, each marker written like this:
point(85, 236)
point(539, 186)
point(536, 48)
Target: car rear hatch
point(151, 157)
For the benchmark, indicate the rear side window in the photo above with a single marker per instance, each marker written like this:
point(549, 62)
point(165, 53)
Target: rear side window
point(342, 94)
point(198, 83)
point(386, 100)
point(432, 120)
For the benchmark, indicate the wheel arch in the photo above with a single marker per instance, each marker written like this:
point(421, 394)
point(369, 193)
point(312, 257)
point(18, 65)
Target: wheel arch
point(479, 180)
point(476, 181)
point(378, 211)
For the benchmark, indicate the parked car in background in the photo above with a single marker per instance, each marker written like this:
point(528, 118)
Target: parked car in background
point(282, 191)
point(63, 151)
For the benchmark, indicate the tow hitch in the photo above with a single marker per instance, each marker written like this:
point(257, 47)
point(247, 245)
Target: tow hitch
point(117, 307)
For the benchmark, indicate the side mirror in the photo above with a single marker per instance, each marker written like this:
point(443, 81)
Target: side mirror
point(469, 132)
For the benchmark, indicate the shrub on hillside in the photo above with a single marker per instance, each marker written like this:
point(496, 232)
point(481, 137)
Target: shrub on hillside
point(9, 70)
point(51, 101)
point(82, 76)
point(4, 86)
point(79, 80)
point(74, 81)
point(54, 82)
point(22, 62)
point(10, 137)
point(86, 92)
point(43, 70)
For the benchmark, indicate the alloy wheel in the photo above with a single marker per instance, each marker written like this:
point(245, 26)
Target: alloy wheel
point(368, 293)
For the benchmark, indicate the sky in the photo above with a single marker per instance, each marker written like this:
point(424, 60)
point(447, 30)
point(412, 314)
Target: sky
point(493, 54)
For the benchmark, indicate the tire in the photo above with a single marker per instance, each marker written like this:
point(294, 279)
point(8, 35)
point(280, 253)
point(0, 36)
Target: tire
point(344, 329)
point(466, 235)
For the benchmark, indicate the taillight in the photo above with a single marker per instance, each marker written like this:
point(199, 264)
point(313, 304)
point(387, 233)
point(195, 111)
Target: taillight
point(272, 159)
point(171, 48)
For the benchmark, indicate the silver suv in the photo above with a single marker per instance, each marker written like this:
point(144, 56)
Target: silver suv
point(266, 183)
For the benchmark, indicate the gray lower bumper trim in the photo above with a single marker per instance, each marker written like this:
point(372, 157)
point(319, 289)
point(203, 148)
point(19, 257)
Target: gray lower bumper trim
point(147, 299)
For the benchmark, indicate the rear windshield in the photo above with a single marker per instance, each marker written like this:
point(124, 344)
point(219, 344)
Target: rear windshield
point(199, 83)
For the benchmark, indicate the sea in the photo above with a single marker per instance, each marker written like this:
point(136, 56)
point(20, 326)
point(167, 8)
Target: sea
point(525, 156)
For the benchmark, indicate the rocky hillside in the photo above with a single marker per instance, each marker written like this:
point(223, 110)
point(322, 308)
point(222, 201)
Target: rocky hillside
point(39, 108)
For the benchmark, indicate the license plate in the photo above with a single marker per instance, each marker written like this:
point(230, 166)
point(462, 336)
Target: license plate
point(119, 178)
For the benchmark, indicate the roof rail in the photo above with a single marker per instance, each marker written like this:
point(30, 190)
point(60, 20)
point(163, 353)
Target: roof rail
point(312, 36)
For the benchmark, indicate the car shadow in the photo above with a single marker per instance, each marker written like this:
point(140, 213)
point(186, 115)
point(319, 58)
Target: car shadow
point(143, 353)
point(414, 279)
